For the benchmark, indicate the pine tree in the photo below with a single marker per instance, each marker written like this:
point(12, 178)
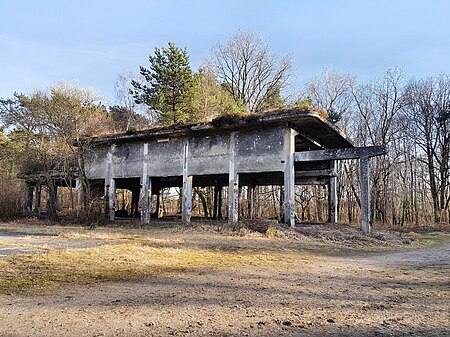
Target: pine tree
point(168, 82)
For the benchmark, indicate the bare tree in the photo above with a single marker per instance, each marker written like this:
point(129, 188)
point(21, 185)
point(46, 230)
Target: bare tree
point(127, 114)
point(332, 92)
point(208, 99)
point(379, 107)
point(249, 71)
point(124, 98)
point(428, 113)
point(52, 122)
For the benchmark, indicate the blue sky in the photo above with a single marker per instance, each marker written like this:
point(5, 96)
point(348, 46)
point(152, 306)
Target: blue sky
point(89, 42)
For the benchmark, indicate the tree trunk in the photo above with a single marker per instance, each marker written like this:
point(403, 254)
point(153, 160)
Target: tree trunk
point(50, 211)
point(202, 197)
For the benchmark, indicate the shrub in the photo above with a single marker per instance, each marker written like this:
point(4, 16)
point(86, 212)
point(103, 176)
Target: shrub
point(271, 232)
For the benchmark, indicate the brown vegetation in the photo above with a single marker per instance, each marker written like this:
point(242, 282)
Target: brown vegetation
point(11, 195)
point(172, 280)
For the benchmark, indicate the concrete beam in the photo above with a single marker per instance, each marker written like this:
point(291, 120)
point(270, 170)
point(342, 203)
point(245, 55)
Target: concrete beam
point(312, 181)
point(361, 153)
point(340, 154)
point(314, 173)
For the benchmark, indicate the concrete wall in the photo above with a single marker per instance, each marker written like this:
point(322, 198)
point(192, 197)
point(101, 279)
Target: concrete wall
point(165, 159)
point(127, 160)
point(97, 162)
point(209, 155)
point(252, 151)
point(260, 151)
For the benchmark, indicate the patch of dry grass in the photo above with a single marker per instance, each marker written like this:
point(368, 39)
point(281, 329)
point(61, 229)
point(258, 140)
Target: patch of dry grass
point(119, 236)
point(132, 254)
point(137, 260)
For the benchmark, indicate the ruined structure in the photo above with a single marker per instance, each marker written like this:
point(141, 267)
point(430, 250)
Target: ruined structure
point(284, 147)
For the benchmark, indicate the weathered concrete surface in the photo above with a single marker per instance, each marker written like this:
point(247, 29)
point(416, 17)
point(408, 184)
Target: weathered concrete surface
point(209, 154)
point(289, 177)
point(227, 150)
point(165, 158)
point(127, 160)
point(258, 150)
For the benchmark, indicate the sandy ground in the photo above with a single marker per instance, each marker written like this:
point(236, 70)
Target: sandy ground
point(311, 292)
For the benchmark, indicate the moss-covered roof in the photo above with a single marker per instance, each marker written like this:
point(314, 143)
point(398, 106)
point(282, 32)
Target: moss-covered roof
point(310, 123)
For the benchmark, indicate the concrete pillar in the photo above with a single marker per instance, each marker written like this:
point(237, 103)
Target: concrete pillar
point(146, 193)
point(110, 186)
point(365, 194)
point(79, 195)
point(146, 190)
point(111, 192)
point(289, 177)
point(186, 211)
point(37, 200)
point(233, 185)
point(332, 194)
point(233, 197)
point(186, 205)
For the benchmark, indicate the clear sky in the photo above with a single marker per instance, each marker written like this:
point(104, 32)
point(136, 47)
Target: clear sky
point(89, 42)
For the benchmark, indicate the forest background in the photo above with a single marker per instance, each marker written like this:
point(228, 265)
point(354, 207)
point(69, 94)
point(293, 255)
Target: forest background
point(241, 76)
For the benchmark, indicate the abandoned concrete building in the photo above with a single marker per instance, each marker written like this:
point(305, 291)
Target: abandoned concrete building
point(285, 147)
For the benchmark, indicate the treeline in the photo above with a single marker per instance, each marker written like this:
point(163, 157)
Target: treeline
point(411, 185)
point(411, 117)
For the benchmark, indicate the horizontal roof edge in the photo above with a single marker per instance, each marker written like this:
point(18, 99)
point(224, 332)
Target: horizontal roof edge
point(310, 121)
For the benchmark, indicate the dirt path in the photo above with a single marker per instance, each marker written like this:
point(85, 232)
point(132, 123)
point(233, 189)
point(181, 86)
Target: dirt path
point(436, 257)
point(28, 242)
point(388, 294)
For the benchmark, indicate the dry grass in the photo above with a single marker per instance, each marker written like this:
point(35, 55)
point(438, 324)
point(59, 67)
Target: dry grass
point(200, 282)
point(136, 260)
point(113, 254)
